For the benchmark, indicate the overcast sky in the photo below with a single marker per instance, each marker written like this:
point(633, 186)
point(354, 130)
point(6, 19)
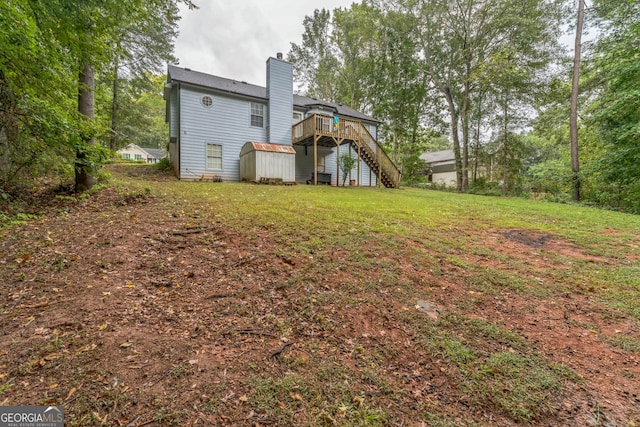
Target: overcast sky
point(234, 38)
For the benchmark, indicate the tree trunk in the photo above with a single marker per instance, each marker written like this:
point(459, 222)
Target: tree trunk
point(505, 164)
point(453, 113)
point(8, 127)
point(476, 150)
point(573, 119)
point(113, 138)
point(465, 126)
point(5, 158)
point(86, 101)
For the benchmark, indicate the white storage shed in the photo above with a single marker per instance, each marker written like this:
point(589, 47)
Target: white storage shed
point(267, 161)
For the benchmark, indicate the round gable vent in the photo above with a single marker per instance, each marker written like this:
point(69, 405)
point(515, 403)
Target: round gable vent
point(207, 101)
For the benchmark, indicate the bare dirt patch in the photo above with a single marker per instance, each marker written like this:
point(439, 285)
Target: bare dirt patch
point(548, 242)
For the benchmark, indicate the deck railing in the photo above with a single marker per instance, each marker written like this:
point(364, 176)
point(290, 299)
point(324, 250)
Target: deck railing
point(385, 163)
point(355, 132)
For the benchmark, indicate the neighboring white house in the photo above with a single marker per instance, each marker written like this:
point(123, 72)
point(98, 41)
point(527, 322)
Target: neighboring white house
point(211, 118)
point(148, 155)
point(442, 166)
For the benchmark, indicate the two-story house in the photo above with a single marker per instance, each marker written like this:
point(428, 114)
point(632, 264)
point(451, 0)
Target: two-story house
point(212, 118)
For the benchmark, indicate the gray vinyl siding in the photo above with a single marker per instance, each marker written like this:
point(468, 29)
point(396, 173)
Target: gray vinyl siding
point(173, 112)
point(280, 96)
point(174, 126)
point(331, 167)
point(367, 176)
point(373, 130)
point(227, 123)
point(304, 162)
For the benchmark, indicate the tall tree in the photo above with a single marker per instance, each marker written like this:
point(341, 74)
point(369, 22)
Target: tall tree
point(458, 36)
point(143, 44)
point(315, 64)
point(37, 120)
point(139, 35)
point(355, 40)
point(371, 51)
point(47, 114)
point(573, 119)
point(400, 90)
point(615, 110)
point(89, 28)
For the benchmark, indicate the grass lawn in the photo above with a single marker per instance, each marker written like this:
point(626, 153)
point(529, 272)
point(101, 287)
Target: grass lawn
point(158, 302)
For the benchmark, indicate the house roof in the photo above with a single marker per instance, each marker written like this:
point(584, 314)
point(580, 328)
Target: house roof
point(214, 82)
point(222, 84)
point(155, 152)
point(438, 156)
point(307, 103)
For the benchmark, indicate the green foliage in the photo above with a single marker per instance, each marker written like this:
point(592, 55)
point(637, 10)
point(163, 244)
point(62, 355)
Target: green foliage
point(551, 176)
point(616, 109)
point(41, 131)
point(140, 117)
point(91, 157)
point(315, 65)
point(347, 163)
point(164, 164)
point(363, 57)
point(408, 62)
point(414, 172)
point(38, 126)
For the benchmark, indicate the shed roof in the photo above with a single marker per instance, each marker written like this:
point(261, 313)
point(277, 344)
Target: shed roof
point(277, 148)
point(261, 146)
point(222, 84)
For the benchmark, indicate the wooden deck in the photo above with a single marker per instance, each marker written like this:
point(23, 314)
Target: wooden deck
point(321, 130)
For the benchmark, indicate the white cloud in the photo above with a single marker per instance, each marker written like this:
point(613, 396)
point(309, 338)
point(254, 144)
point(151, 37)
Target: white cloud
point(233, 39)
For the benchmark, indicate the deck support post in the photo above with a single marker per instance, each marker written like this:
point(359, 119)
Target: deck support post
point(317, 129)
point(315, 159)
point(337, 161)
point(359, 161)
point(379, 166)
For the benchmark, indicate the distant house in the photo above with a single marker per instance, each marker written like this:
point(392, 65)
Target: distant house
point(212, 118)
point(441, 166)
point(148, 155)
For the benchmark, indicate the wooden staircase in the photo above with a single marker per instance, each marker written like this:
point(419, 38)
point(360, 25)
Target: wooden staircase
point(320, 129)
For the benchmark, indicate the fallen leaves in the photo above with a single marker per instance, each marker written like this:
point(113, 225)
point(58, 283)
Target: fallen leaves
point(71, 393)
point(23, 258)
point(85, 348)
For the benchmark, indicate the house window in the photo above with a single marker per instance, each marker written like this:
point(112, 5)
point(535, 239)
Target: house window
point(257, 115)
point(297, 117)
point(138, 156)
point(126, 156)
point(321, 164)
point(214, 156)
point(207, 101)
